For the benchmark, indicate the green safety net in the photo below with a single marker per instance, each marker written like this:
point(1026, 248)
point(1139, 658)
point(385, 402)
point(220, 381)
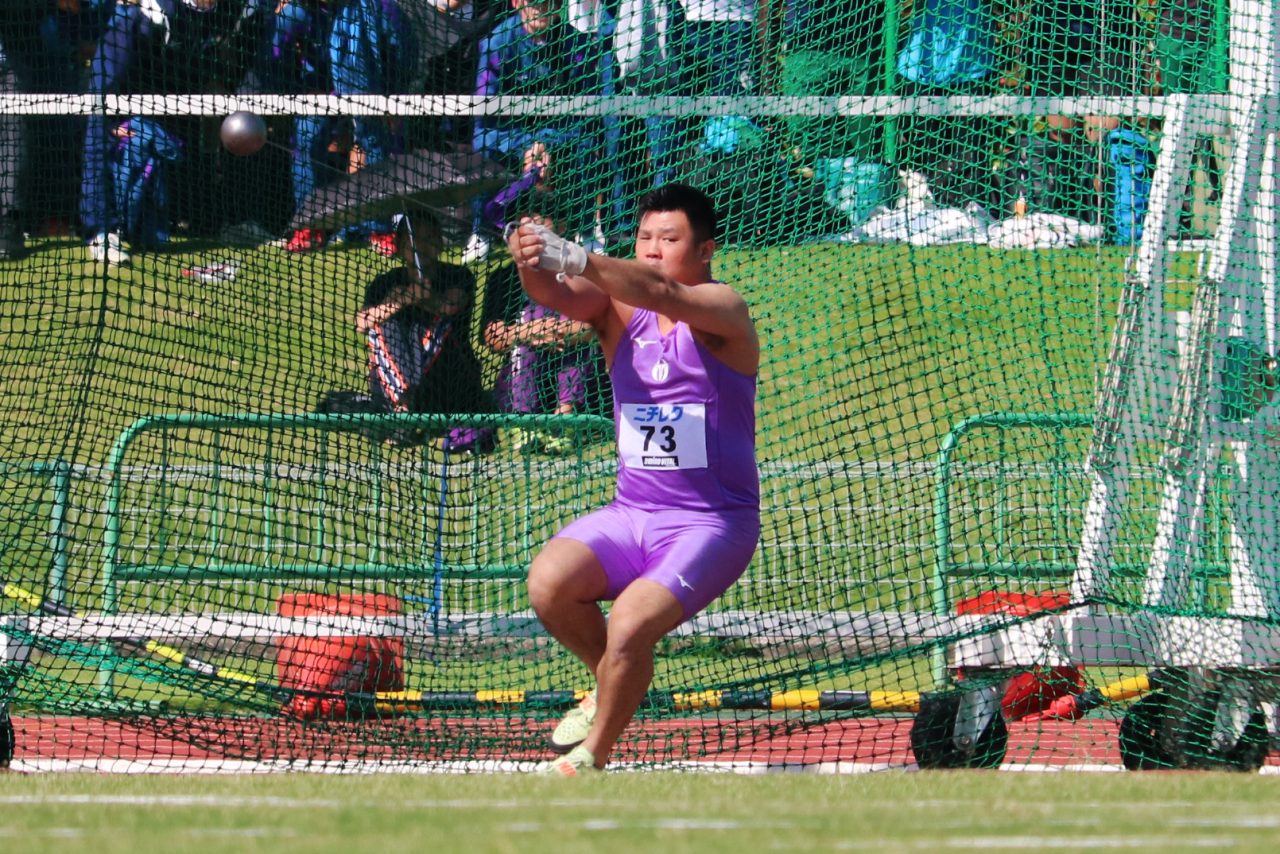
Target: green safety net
point(282, 434)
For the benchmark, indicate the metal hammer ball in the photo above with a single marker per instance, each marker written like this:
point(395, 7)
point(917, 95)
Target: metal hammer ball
point(243, 133)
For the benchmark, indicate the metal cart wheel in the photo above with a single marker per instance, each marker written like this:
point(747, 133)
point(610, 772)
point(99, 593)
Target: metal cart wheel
point(934, 744)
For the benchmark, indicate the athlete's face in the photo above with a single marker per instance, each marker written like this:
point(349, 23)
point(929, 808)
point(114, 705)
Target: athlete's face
point(666, 241)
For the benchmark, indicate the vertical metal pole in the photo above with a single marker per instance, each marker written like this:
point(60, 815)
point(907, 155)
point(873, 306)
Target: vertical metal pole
point(889, 75)
point(215, 518)
point(379, 517)
point(437, 588)
point(322, 495)
point(942, 544)
point(57, 588)
point(268, 500)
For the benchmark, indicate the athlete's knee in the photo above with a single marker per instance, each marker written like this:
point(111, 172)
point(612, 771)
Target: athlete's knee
point(631, 642)
point(634, 633)
point(545, 584)
point(561, 574)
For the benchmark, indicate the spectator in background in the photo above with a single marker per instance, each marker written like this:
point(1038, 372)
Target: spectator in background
point(164, 46)
point(416, 321)
point(298, 63)
point(17, 38)
point(949, 51)
point(349, 47)
point(647, 48)
point(550, 364)
point(290, 58)
point(1185, 47)
point(12, 242)
point(447, 36)
point(1066, 48)
point(834, 48)
point(535, 52)
point(140, 167)
point(717, 56)
point(717, 47)
point(39, 52)
point(371, 52)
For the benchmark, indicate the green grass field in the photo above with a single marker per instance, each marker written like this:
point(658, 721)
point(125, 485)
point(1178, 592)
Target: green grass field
point(668, 812)
point(887, 327)
point(872, 353)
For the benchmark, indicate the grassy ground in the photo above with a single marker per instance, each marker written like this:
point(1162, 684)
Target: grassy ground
point(918, 331)
point(670, 812)
point(872, 353)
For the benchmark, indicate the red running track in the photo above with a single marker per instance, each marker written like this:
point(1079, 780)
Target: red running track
point(879, 741)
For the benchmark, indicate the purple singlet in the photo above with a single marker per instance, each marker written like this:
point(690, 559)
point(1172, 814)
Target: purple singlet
point(686, 422)
point(687, 510)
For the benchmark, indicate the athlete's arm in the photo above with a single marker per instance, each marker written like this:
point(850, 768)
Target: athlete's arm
point(712, 308)
point(716, 314)
point(572, 296)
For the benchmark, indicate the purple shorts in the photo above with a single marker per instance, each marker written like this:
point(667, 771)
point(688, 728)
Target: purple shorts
point(695, 555)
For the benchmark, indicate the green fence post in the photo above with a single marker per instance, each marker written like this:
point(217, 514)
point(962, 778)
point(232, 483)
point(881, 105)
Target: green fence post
point(215, 518)
point(889, 75)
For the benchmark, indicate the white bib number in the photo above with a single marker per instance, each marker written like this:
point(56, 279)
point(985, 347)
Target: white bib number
point(663, 436)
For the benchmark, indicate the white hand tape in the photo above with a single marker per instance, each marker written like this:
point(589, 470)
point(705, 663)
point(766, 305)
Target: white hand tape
point(559, 255)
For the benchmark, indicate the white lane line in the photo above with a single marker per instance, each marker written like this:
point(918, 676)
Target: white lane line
point(680, 824)
point(239, 832)
point(1040, 843)
point(233, 766)
point(235, 802)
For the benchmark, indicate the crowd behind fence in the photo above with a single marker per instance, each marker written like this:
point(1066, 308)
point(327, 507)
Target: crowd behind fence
point(129, 182)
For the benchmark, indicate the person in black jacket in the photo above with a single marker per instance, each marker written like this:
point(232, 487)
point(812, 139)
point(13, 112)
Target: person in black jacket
point(416, 321)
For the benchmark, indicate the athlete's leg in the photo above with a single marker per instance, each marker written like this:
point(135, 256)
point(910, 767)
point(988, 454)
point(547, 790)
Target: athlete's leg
point(565, 582)
point(640, 617)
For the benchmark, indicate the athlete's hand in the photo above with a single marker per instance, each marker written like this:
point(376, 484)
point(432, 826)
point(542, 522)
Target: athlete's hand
point(537, 155)
point(534, 245)
point(524, 244)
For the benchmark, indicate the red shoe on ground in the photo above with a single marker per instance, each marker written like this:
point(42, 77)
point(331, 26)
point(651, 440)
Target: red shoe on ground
point(305, 240)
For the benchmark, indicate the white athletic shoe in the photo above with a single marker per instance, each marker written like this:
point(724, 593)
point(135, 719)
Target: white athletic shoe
point(477, 249)
point(575, 763)
point(575, 726)
point(594, 245)
point(106, 248)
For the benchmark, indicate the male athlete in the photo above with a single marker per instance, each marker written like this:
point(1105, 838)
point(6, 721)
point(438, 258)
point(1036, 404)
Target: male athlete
point(683, 353)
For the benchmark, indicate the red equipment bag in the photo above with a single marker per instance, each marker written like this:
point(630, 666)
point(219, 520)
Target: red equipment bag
point(337, 664)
